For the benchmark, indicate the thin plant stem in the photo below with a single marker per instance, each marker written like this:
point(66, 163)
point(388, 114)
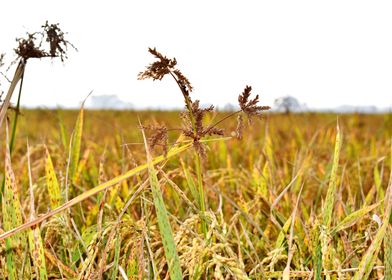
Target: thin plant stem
point(202, 198)
point(225, 118)
point(200, 185)
point(17, 112)
point(11, 144)
point(187, 102)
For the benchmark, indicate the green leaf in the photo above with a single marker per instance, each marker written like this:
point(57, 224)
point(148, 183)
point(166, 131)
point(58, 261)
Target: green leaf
point(52, 183)
point(354, 217)
point(165, 230)
point(330, 199)
point(75, 148)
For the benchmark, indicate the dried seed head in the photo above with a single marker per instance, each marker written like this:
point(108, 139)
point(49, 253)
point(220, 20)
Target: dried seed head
point(250, 107)
point(1, 59)
point(57, 43)
point(183, 82)
point(193, 115)
point(31, 47)
point(27, 48)
point(200, 149)
point(158, 69)
point(196, 130)
point(163, 66)
point(159, 137)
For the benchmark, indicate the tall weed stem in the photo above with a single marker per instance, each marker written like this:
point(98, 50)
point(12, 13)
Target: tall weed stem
point(202, 201)
point(17, 112)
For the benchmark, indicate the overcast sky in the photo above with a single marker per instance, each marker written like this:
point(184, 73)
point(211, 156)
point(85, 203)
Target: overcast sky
point(325, 53)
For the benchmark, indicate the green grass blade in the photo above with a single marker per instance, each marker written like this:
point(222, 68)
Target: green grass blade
point(34, 234)
point(388, 253)
point(37, 252)
point(10, 260)
point(10, 242)
point(326, 249)
point(165, 230)
point(202, 198)
point(76, 143)
point(283, 234)
point(354, 217)
point(52, 183)
point(191, 185)
point(330, 199)
point(388, 240)
point(318, 261)
point(164, 227)
point(377, 182)
point(12, 216)
point(117, 249)
point(264, 179)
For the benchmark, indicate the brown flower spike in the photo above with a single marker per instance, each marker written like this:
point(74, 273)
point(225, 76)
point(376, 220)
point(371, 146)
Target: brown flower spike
point(250, 107)
point(194, 115)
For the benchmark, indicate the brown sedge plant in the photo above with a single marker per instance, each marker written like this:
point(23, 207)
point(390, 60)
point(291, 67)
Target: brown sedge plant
point(31, 46)
point(193, 116)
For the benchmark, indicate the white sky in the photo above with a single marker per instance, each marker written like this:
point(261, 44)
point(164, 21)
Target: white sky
point(325, 53)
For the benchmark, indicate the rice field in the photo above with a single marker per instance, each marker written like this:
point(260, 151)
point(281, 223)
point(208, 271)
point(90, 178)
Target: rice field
point(192, 194)
point(302, 196)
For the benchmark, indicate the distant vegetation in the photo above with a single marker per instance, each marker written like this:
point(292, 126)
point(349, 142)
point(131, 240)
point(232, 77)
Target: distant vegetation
point(288, 104)
point(106, 102)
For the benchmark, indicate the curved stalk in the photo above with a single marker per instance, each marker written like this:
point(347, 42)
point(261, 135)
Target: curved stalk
point(17, 112)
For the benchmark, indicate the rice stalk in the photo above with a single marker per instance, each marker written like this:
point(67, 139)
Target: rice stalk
point(325, 237)
point(330, 198)
point(75, 147)
point(34, 234)
point(15, 80)
point(12, 216)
